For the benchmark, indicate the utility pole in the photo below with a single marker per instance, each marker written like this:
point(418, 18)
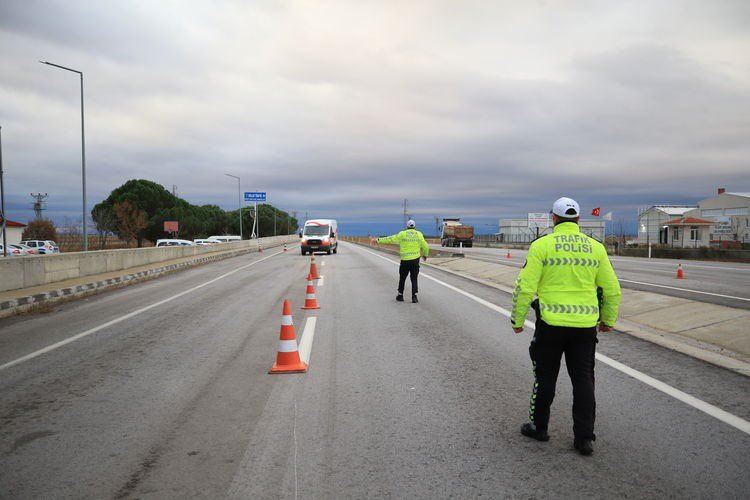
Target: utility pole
point(38, 204)
point(2, 195)
point(406, 214)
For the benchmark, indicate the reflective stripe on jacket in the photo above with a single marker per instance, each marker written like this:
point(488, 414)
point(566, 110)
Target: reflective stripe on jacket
point(565, 269)
point(411, 242)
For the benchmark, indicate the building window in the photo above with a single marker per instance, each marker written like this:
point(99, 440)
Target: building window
point(694, 234)
point(676, 234)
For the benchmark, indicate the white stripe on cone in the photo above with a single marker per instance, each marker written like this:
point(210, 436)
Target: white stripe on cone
point(286, 321)
point(310, 296)
point(287, 345)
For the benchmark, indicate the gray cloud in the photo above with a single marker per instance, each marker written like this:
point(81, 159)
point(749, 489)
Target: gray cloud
point(480, 109)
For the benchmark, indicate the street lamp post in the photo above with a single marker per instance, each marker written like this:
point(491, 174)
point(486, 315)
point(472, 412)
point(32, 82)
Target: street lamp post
point(239, 199)
point(83, 156)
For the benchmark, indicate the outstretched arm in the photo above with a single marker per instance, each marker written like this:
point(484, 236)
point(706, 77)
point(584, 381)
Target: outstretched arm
point(389, 240)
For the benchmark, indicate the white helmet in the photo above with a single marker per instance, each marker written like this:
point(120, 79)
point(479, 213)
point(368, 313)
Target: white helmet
point(411, 224)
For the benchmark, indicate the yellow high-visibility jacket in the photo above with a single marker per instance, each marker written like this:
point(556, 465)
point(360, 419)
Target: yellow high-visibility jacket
point(564, 269)
point(411, 242)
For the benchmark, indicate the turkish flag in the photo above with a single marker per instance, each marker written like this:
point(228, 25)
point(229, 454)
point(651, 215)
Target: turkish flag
point(595, 212)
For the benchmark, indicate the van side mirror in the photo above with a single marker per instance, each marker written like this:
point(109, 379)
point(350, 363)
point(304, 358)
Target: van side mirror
point(300, 235)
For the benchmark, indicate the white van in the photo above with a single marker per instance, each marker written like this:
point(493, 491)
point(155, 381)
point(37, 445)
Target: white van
point(206, 241)
point(320, 235)
point(225, 238)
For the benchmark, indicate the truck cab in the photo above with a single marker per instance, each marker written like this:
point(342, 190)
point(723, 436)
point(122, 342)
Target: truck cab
point(319, 235)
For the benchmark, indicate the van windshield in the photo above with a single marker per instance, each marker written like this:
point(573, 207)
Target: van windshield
point(316, 230)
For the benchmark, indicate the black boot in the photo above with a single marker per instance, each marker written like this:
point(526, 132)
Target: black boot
point(400, 297)
point(529, 430)
point(584, 446)
point(414, 298)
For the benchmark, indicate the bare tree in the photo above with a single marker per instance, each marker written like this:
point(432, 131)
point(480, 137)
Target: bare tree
point(106, 223)
point(131, 220)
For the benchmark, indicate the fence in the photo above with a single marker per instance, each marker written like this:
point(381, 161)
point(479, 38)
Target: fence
point(701, 253)
point(74, 242)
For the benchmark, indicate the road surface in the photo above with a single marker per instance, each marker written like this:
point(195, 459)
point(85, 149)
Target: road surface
point(164, 393)
point(723, 283)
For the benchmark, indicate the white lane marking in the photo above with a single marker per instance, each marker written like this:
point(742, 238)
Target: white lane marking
point(306, 342)
point(696, 403)
point(323, 263)
point(320, 281)
point(686, 290)
point(86, 333)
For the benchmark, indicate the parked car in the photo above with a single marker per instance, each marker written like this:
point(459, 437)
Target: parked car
point(12, 252)
point(22, 248)
point(15, 250)
point(206, 241)
point(42, 247)
point(174, 243)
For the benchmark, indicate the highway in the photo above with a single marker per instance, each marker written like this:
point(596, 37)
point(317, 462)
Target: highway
point(160, 390)
point(723, 283)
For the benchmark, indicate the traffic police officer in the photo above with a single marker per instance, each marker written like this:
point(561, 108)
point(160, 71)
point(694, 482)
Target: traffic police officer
point(565, 269)
point(412, 245)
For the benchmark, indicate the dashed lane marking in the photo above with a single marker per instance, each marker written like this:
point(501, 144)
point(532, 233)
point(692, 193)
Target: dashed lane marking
point(86, 333)
point(696, 403)
point(306, 342)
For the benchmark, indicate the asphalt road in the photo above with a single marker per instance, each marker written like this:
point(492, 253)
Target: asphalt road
point(401, 400)
point(724, 283)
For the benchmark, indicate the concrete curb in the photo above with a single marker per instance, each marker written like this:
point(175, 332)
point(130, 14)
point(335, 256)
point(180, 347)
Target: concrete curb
point(699, 350)
point(31, 303)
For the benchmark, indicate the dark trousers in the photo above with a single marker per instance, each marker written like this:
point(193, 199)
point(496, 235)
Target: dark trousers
point(546, 350)
point(408, 267)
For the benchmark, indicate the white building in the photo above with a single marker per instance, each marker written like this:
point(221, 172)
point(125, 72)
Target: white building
point(13, 232)
point(722, 220)
point(518, 231)
point(651, 222)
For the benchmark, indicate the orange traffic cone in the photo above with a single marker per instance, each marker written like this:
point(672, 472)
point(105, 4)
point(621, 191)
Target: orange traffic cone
point(287, 359)
point(507, 255)
point(285, 247)
point(313, 268)
point(260, 248)
point(311, 302)
point(680, 273)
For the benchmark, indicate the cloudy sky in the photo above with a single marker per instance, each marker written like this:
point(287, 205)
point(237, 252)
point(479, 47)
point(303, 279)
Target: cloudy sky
point(345, 108)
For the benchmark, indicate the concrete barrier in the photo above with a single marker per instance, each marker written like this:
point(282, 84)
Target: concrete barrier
point(35, 270)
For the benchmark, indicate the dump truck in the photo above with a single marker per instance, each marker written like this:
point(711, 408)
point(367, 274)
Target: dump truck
point(454, 234)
